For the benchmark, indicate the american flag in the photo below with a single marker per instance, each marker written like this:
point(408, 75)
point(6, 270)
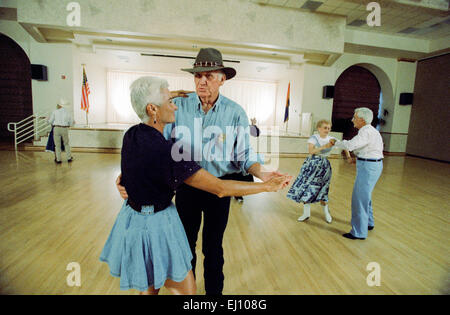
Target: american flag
point(85, 93)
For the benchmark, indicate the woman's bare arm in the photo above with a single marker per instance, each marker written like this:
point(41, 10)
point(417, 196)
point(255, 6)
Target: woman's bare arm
point(313, 150)
point(222, 188)
point(206, 181)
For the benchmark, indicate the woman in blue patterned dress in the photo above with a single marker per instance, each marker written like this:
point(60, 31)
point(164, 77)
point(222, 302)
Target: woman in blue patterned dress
point(313, 182)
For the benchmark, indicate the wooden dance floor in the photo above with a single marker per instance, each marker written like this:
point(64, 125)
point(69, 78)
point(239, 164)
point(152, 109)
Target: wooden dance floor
point(52, 215)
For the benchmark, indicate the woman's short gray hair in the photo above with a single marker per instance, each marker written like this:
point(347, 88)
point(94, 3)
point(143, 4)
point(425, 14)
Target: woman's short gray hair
point(365, 113)
point(144, 91)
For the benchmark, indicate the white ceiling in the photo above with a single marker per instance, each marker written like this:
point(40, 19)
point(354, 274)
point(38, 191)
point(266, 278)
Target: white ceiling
point(415, 19)
point(424, 19)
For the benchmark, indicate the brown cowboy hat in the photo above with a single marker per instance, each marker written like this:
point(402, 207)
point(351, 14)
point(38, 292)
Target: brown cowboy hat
point(210, 59)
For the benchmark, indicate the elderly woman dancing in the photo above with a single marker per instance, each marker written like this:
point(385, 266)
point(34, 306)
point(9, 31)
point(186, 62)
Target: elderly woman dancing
point(147, 247)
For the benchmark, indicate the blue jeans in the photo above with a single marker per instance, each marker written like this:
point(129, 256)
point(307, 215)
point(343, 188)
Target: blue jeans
point(367, 175)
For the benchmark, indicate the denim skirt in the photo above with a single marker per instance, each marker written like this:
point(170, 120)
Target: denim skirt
point(145, 248)
point(313, 182)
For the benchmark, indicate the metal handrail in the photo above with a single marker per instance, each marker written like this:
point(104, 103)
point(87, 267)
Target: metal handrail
point(28, 127)
point(25, 129)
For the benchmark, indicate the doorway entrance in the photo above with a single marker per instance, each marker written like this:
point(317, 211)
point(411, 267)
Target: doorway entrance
point(355, 87)
point(15, 85)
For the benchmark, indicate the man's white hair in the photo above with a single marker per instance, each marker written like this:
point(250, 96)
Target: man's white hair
point(364, 113)
point(144, 91)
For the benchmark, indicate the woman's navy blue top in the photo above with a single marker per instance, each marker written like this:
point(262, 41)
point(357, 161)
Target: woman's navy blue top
point(149, 173)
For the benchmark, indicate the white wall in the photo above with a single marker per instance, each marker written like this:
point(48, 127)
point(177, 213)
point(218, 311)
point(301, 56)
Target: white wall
point(99, 62)
point(396, 139)
point(58, 59)
point(406, 73)
point(296, 78)
point(316, 77)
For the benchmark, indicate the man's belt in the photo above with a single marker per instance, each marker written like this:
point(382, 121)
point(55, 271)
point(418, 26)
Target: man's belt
point(370, 160)
point(62, 126)
point(137, 207)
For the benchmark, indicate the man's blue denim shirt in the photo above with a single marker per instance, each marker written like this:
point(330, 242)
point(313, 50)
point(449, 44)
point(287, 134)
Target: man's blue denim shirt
point(219, 141)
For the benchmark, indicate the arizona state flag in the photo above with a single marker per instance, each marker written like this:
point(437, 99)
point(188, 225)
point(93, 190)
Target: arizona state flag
point(286, 111)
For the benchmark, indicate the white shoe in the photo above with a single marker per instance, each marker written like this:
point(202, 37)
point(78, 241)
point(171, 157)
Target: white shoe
point(304, 217)
point(327, 214)
point(306, 212)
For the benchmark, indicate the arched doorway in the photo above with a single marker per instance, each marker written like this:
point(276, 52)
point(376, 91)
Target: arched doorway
point(15, 85)
point(355, 87)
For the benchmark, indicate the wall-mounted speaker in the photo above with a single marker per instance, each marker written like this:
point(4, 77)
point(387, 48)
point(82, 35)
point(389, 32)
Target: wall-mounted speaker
point(39, 72)
point(406, 99)
point(328, 91)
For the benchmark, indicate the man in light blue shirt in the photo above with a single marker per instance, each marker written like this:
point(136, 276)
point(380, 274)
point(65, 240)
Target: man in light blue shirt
point(213, 131)
point(218, 140)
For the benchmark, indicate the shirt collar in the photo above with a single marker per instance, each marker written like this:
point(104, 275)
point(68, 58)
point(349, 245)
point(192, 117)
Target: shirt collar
point(216, 104)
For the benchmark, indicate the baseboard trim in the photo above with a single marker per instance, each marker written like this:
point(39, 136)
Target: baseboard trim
point(73, 149)
point(394, 153)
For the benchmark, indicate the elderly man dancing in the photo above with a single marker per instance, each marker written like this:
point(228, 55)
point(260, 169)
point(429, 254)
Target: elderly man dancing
point(368, 147)
point(214, 112)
